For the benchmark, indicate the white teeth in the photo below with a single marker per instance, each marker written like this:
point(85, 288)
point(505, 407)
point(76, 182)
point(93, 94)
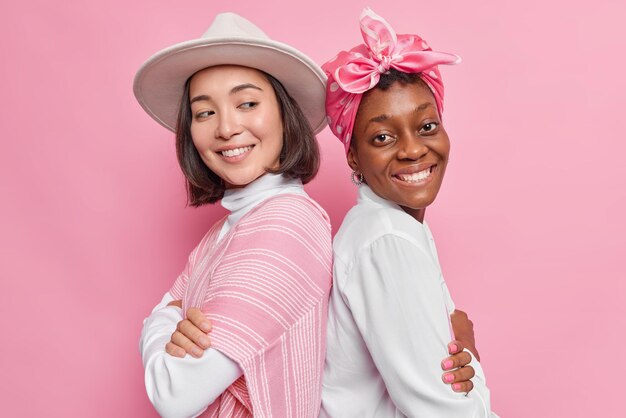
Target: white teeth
point(235, 152)
point(415, 177)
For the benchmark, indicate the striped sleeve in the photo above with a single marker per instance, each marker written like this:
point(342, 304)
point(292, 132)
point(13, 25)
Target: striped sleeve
point(268, 303)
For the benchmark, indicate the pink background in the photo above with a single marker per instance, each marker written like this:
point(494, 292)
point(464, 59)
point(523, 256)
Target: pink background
point(529, 223)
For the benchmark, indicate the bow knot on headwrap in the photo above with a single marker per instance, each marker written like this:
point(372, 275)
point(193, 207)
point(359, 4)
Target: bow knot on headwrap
point(384, 65)
point(352, 73)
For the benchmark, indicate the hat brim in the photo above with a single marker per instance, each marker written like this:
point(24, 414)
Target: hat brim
point(159, 83)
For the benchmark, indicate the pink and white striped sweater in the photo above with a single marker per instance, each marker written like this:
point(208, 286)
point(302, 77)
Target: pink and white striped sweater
point(265, 287)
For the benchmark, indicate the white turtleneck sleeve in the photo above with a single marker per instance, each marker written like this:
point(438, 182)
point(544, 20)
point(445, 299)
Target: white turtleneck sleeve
point(186, 387)
point(180, 387)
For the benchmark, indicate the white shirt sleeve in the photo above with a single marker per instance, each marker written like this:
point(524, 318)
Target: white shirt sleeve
point(394, 291)
point(180, 387)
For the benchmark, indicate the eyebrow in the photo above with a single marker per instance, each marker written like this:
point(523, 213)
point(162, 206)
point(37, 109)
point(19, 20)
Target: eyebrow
point(379, 118)
point(240, 87)
point(199, 98)
point(384, 116)
point(234, 90)
point(423, 106)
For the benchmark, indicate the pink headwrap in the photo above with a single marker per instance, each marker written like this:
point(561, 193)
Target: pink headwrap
point(352, 73)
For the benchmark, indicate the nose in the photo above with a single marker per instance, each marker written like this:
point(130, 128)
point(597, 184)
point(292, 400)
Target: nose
point(228, 125)
point(412, 148)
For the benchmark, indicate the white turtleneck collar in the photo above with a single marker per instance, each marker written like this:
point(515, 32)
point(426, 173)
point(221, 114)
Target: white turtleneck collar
point(240, 201)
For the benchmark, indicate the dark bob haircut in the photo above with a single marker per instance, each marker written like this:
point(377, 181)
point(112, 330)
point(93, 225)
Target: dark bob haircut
point(299, 157)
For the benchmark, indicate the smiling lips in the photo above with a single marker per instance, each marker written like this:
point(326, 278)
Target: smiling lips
point(417, 177)
point(235, 152)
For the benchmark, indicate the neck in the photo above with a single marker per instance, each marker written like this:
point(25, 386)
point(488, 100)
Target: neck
point(418, 214)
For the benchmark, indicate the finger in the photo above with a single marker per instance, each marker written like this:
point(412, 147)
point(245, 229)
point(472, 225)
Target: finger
point(463, 374)
point(186, 344)
point(195, 334)
point(459, 375)
point(457, 360)
point(174, 350)
point(463, 387)
point(455, 346)
point(196, 316)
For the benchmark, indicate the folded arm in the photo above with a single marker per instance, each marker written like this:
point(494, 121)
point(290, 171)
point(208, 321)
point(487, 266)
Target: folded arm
point(395, 294)
point(181, 387)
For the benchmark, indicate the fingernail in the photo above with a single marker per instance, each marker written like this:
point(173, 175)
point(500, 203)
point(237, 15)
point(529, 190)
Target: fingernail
point(196, 352)
point(456, 386)
point(204, 341)
point(448, 378)
point(453, 348)
point(206, 326)
point(447, 364)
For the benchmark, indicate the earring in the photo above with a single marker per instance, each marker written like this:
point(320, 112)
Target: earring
point(359, 177)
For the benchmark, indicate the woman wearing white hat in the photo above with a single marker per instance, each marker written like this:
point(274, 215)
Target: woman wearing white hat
point(244, 109)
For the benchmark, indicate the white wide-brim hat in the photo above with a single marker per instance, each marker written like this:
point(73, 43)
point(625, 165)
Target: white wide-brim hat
point(233, 40)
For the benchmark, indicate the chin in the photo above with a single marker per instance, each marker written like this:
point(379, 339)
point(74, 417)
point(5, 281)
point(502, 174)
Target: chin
point(244, 179)
point(418, 204)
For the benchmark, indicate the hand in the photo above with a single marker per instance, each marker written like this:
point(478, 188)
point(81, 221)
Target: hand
point(458, 373)
point(190, 335)
point(463, 329)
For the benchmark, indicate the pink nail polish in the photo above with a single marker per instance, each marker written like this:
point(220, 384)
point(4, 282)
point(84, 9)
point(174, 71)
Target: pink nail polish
point(456, 386)
point(448, 378)
point(453, 348)
point(447, 364)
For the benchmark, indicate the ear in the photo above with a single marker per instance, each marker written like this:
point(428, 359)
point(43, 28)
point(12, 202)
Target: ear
point(353, 159)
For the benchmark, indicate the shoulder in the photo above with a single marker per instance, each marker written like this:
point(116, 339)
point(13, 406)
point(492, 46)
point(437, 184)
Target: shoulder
point(293, 211)
point(289, 227)
point(366, 224)
point(391, 263)
point(294, 201)
point(283, 251)
point(375, 234)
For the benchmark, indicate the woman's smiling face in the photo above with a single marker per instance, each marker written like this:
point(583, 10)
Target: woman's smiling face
point(236, 123)
point(400, 145)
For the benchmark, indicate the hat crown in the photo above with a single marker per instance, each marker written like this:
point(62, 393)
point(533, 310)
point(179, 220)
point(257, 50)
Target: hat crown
point(231, 25)
point(229, 40)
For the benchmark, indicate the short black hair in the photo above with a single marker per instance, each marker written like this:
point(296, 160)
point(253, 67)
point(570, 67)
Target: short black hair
point(394, 76)
point(299, 157)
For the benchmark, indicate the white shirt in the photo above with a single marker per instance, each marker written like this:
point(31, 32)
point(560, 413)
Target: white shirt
point(185, 387)
point(388, 321)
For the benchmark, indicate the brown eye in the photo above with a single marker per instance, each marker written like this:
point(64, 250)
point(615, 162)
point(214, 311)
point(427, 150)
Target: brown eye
point(381, 139)
point(205, 114)
point(429, 128)
point(248, 105)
